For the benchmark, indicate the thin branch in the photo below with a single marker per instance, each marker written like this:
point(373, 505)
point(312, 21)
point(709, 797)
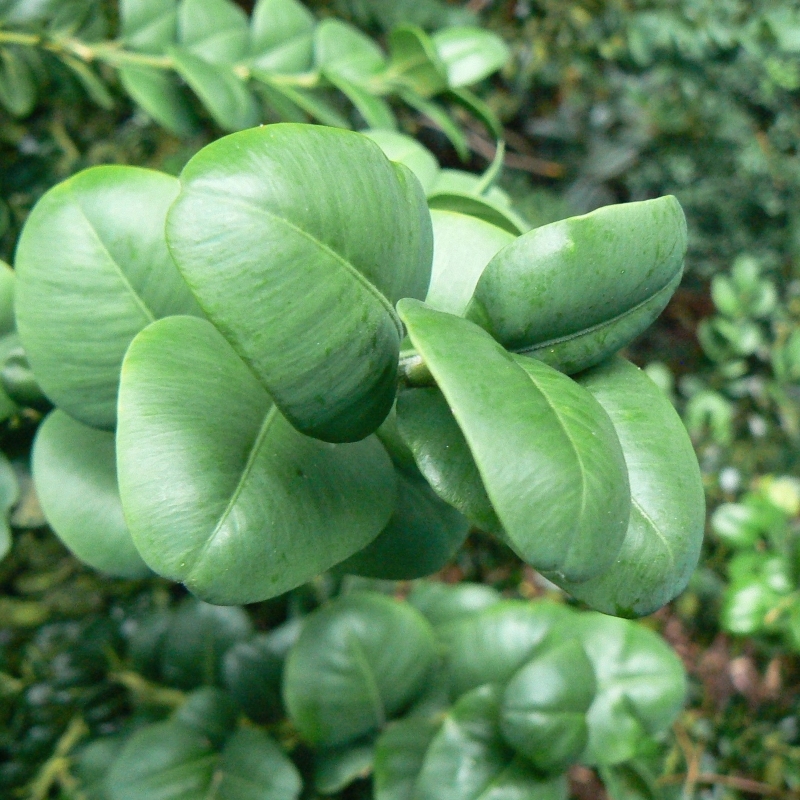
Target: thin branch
point(732, 781)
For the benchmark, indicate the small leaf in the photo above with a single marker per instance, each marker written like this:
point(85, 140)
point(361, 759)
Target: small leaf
point(399, 755)
point(407, 150)
point(299, 101)
point(546, 451)
point(343, 50)
point(91, 83)
point(491, 645)
point(415, 62)
point(148, 26)
point(9, 496)
point(281, 36)
point(544, 706)
point(210, 712)
point(212, 477)
point(375, 111)
point(468, 759)
point(440, 118)
point(226, 96)
point(246, 219)
point(158, 93)
point(74, 467)
point(441, 603)
point(421, 537)
point(538, 296)
point(215, 31)
point(470, 54)
point(83, 302)
point(18, 381)
point(17, 83)
point(641, 686)
point(462, 247)
point(358, 662)
point(8, 285)
point(335, 769)
point(665, 530)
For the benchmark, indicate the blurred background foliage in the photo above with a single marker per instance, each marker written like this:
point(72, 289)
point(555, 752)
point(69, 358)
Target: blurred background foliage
point(602, 101)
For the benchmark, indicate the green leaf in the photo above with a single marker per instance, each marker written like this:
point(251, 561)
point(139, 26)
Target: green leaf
point(8, 285)
point(573, 292)
point(17, 83)
point(441, 603)
point(252, 671)
point(92, 84)
point(197, 636)
point(375, 111)
point(665, 530)
point(440, 118)
point(212, 476)
point(74, 468)
point(470, 54)
point(358, 662)
point(245, 219)
point(544, 707)
point(641, 686)
point(80, 304)
point(210, 712)
point(490, 645)
point(736, 524)
point(17, 380)
point(9, 345)
point(629, 782)
point(468, 759)
point(421, 537)
point(415, 62)
point(158, 93)
point(442, 454)
point(462, 247)
point(481, 111)
point(335, 769)
point(215, 31)
point(300, 101)
point(9, 495)
point(224, 94)
point(399, 755)
point(343, 50)
point(407, 150)
point(281, 36)
point(148, 26)
point(546, 451)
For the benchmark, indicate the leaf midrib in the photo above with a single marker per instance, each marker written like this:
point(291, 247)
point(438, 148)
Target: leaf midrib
point(649, 520)
point(341, 260)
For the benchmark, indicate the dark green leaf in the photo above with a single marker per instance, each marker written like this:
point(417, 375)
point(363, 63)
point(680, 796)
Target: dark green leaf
point(443, 602)
point(211, 712)
point(17, 380)
point(288, 101)
point(573, 292)
point(219, 490)
point(546, 450)
point(399, 754)
point(74, 467)
point(421, 537)
point(91, 83)
point(8, 284)
point(358, 662)
point(158, 93)
point(374, 110)
point(665, 530)
point(245, 219)
point(81, 303)
point(17, 84)
point(440, 118)
point(9, 495)
point(335, 769)
point(544, 706)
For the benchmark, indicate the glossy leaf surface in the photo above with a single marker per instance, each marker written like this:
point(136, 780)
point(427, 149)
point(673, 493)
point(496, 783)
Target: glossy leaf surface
point(245, 217)
point(358, 661)
point(74, 469)
point(220, 492)
point(491, 645)
point(544, 706)
point(407, 150)
point(547, 452)
point(641, 686)
point(462, 247)
point(665, 530)
point(468, 759)
point(80, 304)
point(577, 290)
point(421, 537)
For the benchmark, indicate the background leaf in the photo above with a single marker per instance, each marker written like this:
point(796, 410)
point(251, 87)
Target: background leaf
point(470, 54)
point(281, 36)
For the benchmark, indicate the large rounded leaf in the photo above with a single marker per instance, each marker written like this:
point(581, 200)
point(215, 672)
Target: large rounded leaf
point(573, 292)
point(399, 755)
point(297, 241)
point(407, 150)
point(545, 449)
point(462, 247)
point(93, 270)
point(665, 530)
point(491, 645)
point(545, 704)
point(219, 490)
point(420, 539)
point(641, 686)
point(469, 760)
point(357, 662)
point(74, 469)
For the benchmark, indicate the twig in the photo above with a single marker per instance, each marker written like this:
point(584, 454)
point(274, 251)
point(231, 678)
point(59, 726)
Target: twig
point(57, 766)
point(733, 781)
point(691, 754)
